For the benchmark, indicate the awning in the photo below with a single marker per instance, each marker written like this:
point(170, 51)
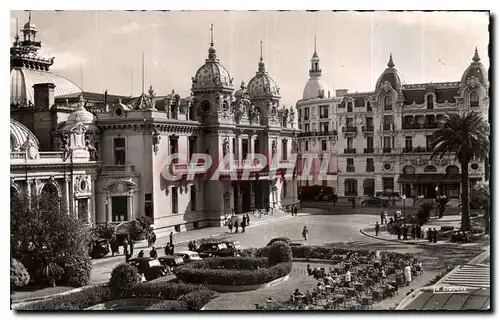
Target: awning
point(429, 178)
point(454, 298)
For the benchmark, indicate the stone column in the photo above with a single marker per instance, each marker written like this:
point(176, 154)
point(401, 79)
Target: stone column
point(130, 206)
point(29, 184)
point(67, 194)
point(92, 205)
point(108, 208)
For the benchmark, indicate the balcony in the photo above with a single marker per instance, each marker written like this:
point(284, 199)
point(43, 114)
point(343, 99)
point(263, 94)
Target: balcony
point(350, 169)
point(369, 150)
point(117, 169)
point(387, 127)
point(370, 169)
point(368, 128)
point(417, 150)
point(318, 133)
point(350, 129)
point(386, 150)
point(323, 116)
point(416, 126)
point(349, 151)
point(44, 157)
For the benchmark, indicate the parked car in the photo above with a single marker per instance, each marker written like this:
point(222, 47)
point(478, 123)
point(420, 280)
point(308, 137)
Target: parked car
point(188, 256)
point(149, 267)
point(99, 248)
point(375, 202)
point(171, 261)
point(296, 244)
point(217, 249)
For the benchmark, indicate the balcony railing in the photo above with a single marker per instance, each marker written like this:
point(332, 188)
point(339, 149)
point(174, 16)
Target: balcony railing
point(350, 129)
point(349, 151)
point(323, 116)
point(368, 128)
point(417, 150)
point(410, 126)
point(369, 150)
point(370, 168)
point(387, 127)
point(318, 133)
point(386, 150)
point(182, 168)
point(350, 169)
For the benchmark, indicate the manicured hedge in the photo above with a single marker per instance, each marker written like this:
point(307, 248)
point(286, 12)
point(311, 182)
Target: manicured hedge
point(91, 296)
point(286, 239)
point(279, 252)
point(200, 271)
point(19, 276)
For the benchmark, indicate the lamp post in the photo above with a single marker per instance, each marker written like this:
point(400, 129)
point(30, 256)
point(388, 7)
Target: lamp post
point(437, 190)
point(404, 207)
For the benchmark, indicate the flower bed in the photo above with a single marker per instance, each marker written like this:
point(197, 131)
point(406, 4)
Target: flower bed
point(232, 271)
point(193, 296)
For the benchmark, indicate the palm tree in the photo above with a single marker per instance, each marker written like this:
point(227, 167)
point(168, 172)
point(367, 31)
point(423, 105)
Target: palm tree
point(467, 137)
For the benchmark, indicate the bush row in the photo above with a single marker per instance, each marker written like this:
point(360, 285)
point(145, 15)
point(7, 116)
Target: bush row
point(191, 296)
point(243, 263)
point(190, 273)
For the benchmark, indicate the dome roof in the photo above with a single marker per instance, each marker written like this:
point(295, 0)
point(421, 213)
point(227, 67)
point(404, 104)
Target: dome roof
point(476, 69)
point(242, 91)
point(19, 134)
point(212, 72)
point(262, 84)
point(392, 76)
point(315, 88)
point(79, 115)
point(22, 81)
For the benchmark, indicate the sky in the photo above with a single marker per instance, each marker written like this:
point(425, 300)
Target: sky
point(102, 50)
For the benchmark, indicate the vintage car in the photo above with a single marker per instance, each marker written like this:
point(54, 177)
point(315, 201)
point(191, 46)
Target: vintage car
point(218, 249)
point(375, 202)
point(171, 261)
point(149, 267)
point(188, 256)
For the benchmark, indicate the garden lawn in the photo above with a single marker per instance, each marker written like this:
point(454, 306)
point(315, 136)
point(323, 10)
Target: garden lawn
point(25, 293)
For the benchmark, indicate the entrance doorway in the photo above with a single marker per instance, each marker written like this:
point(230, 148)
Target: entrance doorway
point(119, 207)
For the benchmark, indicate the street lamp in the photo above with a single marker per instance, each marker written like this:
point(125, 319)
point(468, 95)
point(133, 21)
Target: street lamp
point(404, 208)
point(437, 190)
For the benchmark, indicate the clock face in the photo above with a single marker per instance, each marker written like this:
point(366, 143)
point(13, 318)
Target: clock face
point(205, 106)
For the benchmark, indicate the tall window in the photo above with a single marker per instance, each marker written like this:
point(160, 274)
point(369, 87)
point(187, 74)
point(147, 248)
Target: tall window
point(307, 146)
point(192, 147)
point(306, 113)
point(430, 102)
point(193, 198)
point(386, 142)
point(174, 147)
point(409, 143)
point(350, 122)
point(388, 102)
point(175, 200)
point(323, 112)
point(369, 165)
point(369, 143)
point(119, 151)
point(306, 127)
point(323, 145)
point(324, 126)
point(284, 149)
point(368, 106)
point(314, 127)
point(300, 113)
point(148, 205)
point(474, 99)
point(350, 142)
point(349, 106)
point(83, 210)
point(350, 161)
point(256, 146)
point(388, 184)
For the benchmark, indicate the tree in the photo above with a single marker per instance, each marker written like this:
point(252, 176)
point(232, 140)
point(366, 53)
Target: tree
point(481, 193)
point(44, 237)
point(467, 137)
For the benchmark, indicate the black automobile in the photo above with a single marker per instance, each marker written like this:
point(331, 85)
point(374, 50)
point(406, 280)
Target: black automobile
point(149, 267)
point(171, 261)
point(99, 248)
point(376, 202)
point(219, 249)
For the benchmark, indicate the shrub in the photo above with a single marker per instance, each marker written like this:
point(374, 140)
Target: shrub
point(247, 263)
point(19, 276)
point(169, 305)
point(262, 252)
point(424, 212)
point(195, 300)
point(160, 290)
point(77, 271)
point(102, 231)
point(141, 227)
point(279, 252)
point(200, 272)
point(285, 239)
point(123, 278)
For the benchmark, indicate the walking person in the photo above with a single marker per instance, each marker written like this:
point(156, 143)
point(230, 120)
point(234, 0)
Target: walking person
point(377, 228)
point(114, 246)
point(230, 226)
point(405, 232)
point(407, 273)
point(382, 217)
point(236, 226)
point(248, 219)
point(195, 247)
point(435, 235)
point(148, 236)
point(398, 231)
point(244, 220)
point(171, 238)
point(385, 217)
point(153, 238)
point(153, 254)
point(132, 244)
point(243, 225)
point(305, 233)
point(125, 247)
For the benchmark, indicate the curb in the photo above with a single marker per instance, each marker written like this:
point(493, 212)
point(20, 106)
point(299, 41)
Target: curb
point(416, 244)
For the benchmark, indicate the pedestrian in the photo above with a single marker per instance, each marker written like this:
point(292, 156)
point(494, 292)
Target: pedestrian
point(153, 254)
point(244, 220)
point(296, 210)
point(236, 226)
point(148, 236)
point(305, 233)
point(171, 238)
point(335, 198)
point(243, 225)
point(172, 247)
point(385, 217)
point(140, 254)
point(382, 217)
point(398, 231)
point(132, 244)
point(405, 232)
point(190, 246)
point(153, 238)
point(230, 225)
point(407, 273)
point(114, 246)
point(377, 228)
point(125, 247)
point(248, 220)
point(195, 246)
point(429, 234)
point(435, 235)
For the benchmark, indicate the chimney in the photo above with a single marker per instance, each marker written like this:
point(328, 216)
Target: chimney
point(44, 95)
point(339, 93)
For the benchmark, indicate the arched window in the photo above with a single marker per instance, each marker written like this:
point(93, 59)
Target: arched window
point(388, 102)
point(368, 106)
point(408, 170)
point(430, 102)
point(430, 169)
point(349, 106)
point(474, 99)
point(452, 169)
